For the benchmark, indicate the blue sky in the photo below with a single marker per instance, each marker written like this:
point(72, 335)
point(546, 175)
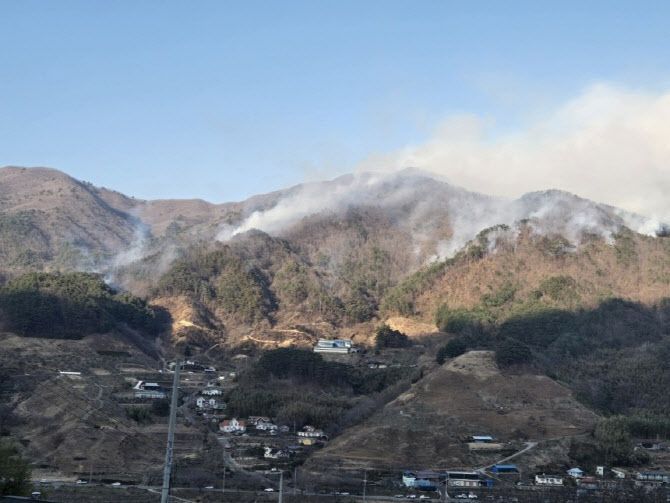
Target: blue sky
point(224, 99)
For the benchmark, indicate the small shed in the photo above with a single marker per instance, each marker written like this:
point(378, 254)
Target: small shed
point(505, 469)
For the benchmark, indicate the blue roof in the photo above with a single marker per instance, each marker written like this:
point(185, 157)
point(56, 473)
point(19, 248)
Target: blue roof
point(504, 468)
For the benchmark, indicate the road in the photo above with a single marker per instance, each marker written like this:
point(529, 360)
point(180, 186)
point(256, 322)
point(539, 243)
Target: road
point(529, 446)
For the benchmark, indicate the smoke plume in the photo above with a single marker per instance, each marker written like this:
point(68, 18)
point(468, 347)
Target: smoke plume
point(609, 144)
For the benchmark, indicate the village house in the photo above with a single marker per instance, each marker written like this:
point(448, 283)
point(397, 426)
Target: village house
point(307, 441)
point(505, 469)
point(575, 473)
point(311, 432)
point(266, 426)
point(233, 425)
point(271, 453)
point(483, 443)
point(655, 478)
point(588, 482)
point(208, 403)
point(408, 479)
point(619, 473)
point(150, 390)
point(342, 346)
point(463, 478)
point(548, 480)
point(254, 420)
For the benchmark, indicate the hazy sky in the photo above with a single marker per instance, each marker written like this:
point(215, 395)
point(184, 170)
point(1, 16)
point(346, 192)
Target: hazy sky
point(224, 99)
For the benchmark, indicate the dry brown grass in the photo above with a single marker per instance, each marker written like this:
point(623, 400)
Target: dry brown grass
point(427, 426)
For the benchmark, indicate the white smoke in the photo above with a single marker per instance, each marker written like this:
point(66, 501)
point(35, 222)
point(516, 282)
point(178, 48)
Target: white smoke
point(608, 144)
point(309, 199)
point(136, 251)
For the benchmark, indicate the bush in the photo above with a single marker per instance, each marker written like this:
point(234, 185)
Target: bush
point(140, 415)
point(160, 408)
point(512, 352)
point(14, 472)
point(452, 349)
point(458, 321)
point(386, 337)
point(559, 288)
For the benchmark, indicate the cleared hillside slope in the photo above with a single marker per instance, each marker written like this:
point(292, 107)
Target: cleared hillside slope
point(427, 426)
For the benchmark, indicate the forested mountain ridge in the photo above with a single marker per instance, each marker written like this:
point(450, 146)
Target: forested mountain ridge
point(551, 310)
point(318, 258)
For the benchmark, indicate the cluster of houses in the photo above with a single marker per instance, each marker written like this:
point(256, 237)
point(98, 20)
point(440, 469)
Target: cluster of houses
point(427, 480)
point(192, 366)
point(335, 346)
point(264, 424)
point(210, 399)
point(543, 479)
point(652, 478)
point(590, 482)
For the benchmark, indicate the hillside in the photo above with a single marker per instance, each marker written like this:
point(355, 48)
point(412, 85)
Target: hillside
point(560, 304)
point(428, 425)
point(319, 258)
point(71, 424)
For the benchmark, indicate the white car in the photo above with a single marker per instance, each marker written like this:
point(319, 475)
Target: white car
point(116, 484)
point(80, 482)
point(472, 496)
point(269, 490)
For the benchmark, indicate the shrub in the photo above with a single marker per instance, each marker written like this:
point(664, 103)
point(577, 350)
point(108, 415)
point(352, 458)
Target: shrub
point(138, 414)
point(14, 472)
point(386, 337)
point(457, 321)
point(160, 408)
point(559, 288)
point(452, 349)
point(512, 352)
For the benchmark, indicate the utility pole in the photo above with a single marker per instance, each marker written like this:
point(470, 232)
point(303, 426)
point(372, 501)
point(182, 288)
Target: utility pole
point(446, 485)
point(223, 487)
point(295, 480)
point(167, 467)
point(281, 487)
point(365, 485)
point(223, 451)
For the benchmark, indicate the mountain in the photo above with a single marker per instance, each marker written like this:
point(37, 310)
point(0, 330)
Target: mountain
point(558, 307)
point(319, 257)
